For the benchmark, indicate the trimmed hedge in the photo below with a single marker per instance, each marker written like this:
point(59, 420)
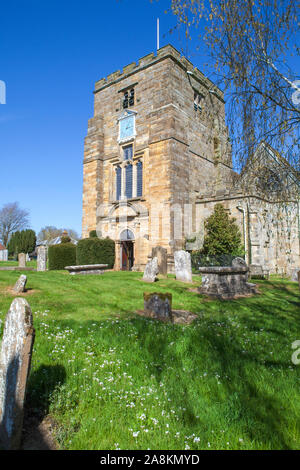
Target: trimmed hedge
point(96, 251)
point(62, 255)
point(93, 234)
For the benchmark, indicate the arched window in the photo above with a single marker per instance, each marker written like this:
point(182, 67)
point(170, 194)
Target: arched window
point(118, 182)
point(139, 179)
point(128, 190)
point(126, 235)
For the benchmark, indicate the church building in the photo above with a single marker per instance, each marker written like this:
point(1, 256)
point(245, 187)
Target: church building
point(157, 159)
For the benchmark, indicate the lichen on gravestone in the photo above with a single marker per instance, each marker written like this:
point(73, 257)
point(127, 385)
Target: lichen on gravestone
point(15, 358)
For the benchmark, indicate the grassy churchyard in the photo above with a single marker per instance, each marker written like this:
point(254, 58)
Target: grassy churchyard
point(111, 379)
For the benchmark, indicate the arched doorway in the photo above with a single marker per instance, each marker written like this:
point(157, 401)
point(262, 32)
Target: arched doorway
point(127, 250)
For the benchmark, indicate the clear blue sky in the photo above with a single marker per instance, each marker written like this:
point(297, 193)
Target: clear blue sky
point(51, 54)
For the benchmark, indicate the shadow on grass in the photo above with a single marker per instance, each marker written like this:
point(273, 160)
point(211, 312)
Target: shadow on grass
point(263, 413)
point(247, 397)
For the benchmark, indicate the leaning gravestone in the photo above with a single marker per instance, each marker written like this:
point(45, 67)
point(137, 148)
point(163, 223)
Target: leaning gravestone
point(3, 255)
point(15, 358)
point(22, 260)
point(158, 306)
point(42, 258)
point(20, 284)
point(162, 257)
point(183, 266)
point(151, 270)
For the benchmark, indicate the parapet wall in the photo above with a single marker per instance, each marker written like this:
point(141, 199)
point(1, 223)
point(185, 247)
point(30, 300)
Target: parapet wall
point(150, 59)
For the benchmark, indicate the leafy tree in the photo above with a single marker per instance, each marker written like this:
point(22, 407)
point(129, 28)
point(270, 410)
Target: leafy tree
point(12, 218)
point(222, 235)
point(251, 45)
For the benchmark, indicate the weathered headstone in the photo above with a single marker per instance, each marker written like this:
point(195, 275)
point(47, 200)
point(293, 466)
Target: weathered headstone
point(15, 358)
point(158, 305)
point(294, 274)
point(42, 258)
point(20, 284)
point(162, 257)
point(151, 270)
point(183, 266)
point(22, 260)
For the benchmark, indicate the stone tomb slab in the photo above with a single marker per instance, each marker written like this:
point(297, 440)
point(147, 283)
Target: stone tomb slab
point(158, 306)
point(226, 282)
point(87, 269)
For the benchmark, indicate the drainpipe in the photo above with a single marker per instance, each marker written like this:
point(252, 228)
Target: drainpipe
point(241, 209)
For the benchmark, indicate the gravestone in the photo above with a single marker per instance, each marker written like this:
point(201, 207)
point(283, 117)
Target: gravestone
point(183, 266)
point(87, 269)
point(42, 252)
point(22, 260)
point(158, 305)
point(257, 271)
point(162, 257)
point(151, 270)
point(294, 274)
point(20, 284)
point(15, 359)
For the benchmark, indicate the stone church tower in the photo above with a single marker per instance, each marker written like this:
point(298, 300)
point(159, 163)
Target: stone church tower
point(157, 158)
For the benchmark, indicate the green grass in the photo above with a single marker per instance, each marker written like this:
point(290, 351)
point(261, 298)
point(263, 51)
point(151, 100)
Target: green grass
point(114, 380)
point(15, 263)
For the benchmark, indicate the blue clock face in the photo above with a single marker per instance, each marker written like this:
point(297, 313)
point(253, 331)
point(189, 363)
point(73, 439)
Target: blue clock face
point(127, 127)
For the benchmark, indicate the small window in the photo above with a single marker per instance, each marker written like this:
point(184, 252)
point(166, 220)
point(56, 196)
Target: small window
point(198, 99)
point(128, 99)
point(128, 152)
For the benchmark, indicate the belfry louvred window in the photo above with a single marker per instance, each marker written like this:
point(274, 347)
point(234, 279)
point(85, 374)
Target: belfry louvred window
point(128, 99)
